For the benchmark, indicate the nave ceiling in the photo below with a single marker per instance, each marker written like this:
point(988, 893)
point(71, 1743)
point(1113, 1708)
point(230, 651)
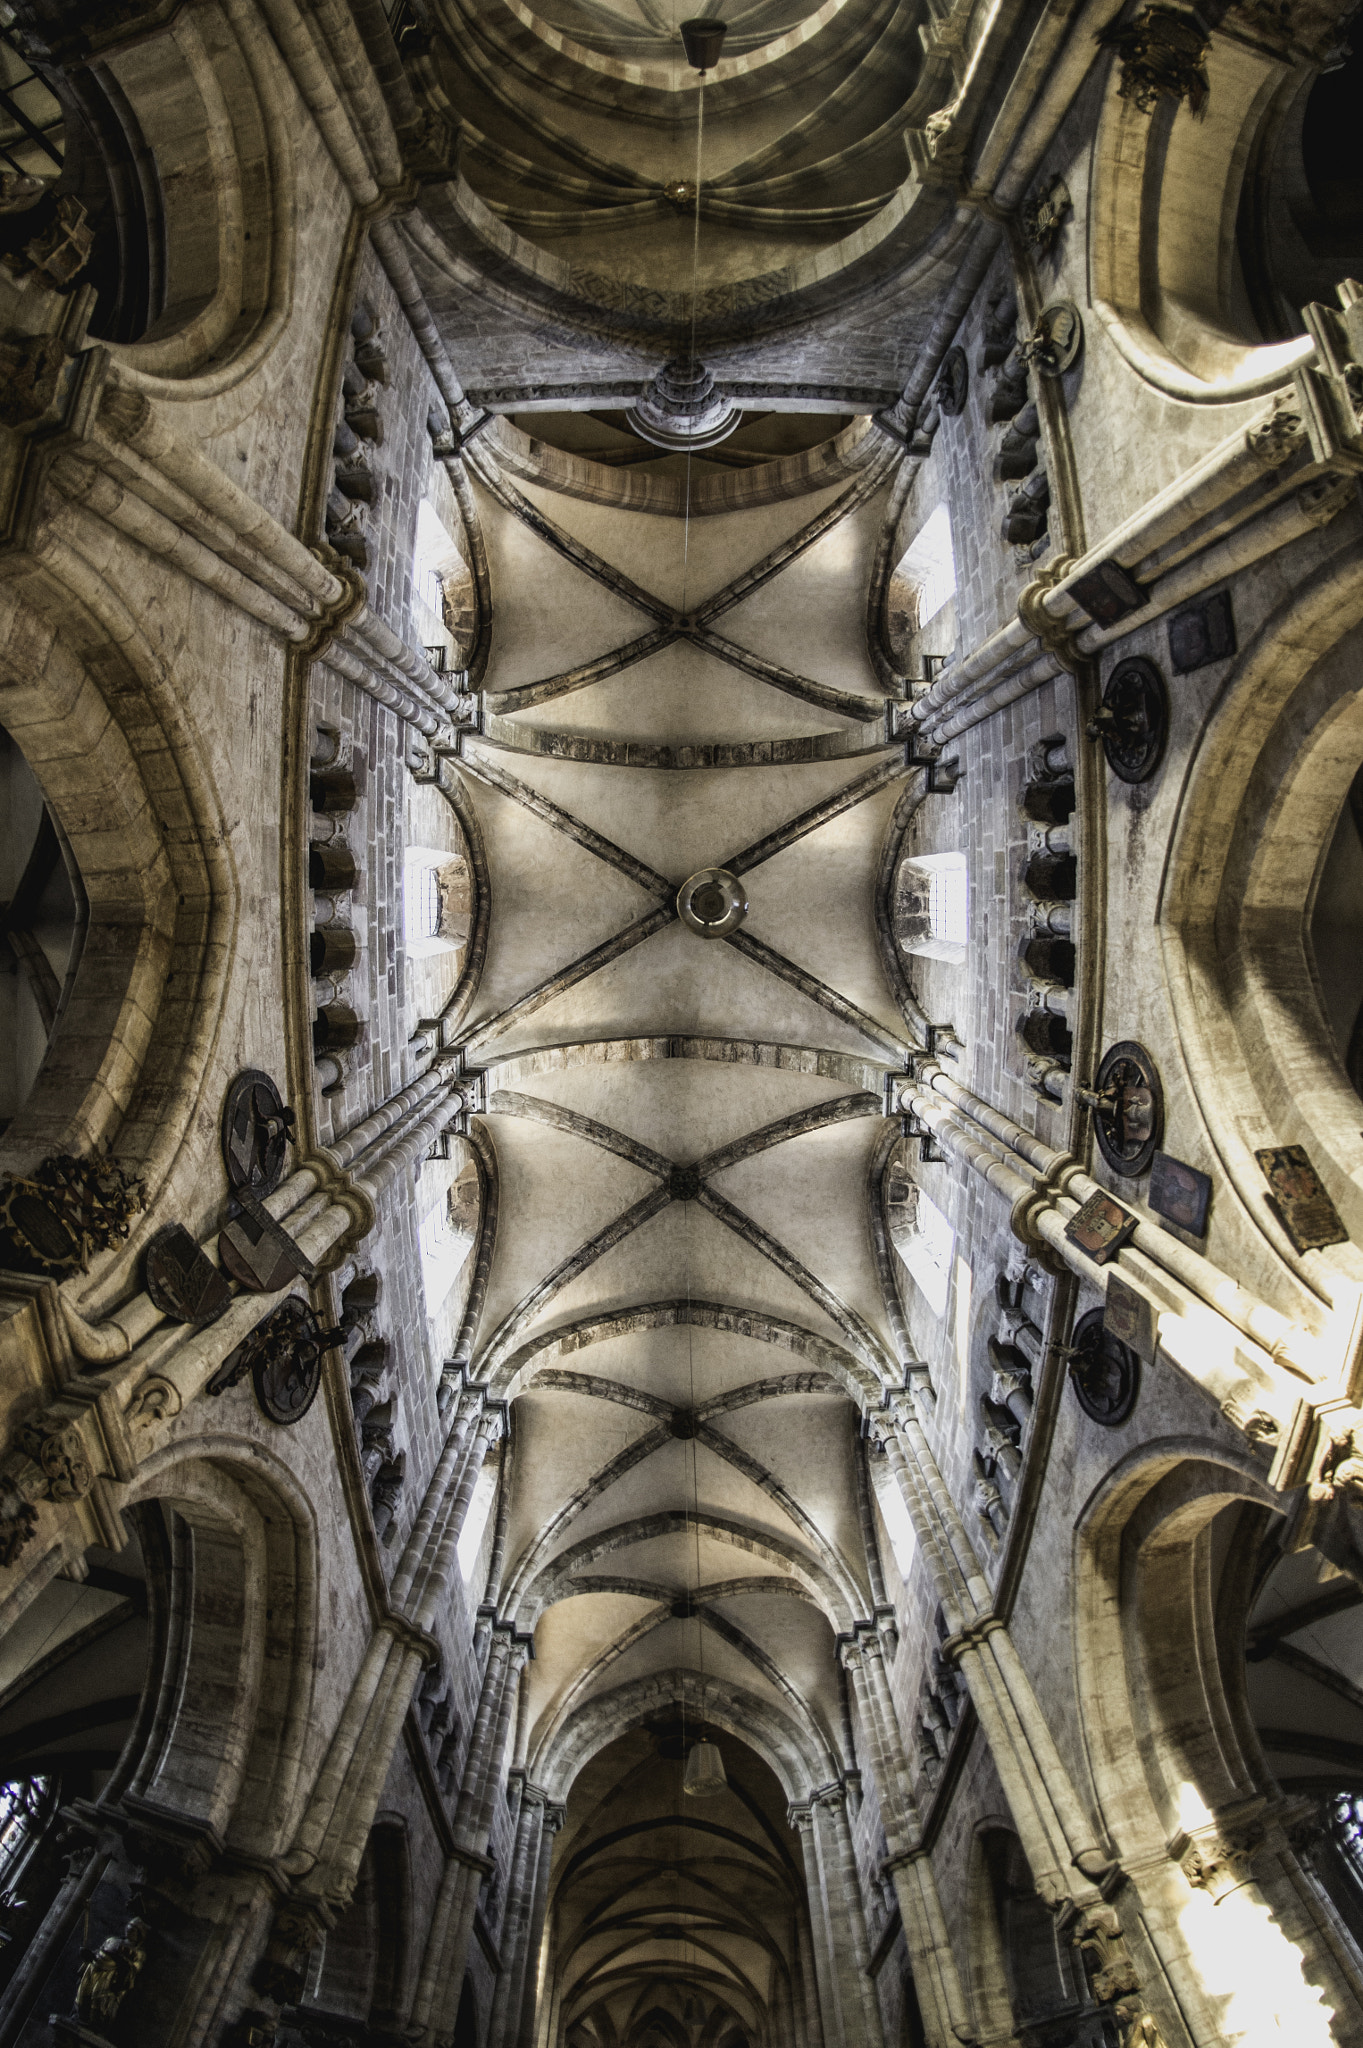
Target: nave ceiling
point(683, 1299)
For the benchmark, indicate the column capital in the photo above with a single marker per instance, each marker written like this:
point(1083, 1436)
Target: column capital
point(1216, 1857)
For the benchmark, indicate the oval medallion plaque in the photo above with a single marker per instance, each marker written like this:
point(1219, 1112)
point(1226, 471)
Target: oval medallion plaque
point(1105, 1373)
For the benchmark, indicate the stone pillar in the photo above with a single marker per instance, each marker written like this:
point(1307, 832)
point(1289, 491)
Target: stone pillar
point(437, 1995)
point(807, 1990)
point(847, 1919)
point(529, 1801)
point(551, 1821)
point(1058, 1838)
point(828, 2004)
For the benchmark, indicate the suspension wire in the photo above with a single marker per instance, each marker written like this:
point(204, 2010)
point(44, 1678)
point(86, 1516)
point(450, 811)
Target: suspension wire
point(691, 350)
point(688, 1945)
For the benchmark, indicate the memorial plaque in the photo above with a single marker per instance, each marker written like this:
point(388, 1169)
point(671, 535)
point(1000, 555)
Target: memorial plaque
point(1303, 1207)
point(283, 1355)
point(1130, 1317)
point(1101, 1227)
point(1107, 593)
point(257, 1251)
point(182, 1281)
point(1202, 633)
point(1180, 1193)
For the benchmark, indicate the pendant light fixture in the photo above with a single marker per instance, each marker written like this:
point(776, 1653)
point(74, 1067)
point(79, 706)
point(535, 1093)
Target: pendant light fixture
point(705, 1773)
point(702, 40)
point(681, 409)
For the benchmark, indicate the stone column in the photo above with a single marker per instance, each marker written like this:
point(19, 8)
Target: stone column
point(847, 1919)
point(436, 2002)
point(551, 1822)
point(811, 2026)
point(1057, 1837)
point(506, 2004)
point(827, 2005)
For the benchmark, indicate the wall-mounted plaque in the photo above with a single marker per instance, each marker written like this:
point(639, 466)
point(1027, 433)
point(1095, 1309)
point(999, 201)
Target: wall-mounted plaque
point(1129, 1316)
point(1104, 1372)
point(182, 1281)
point(1056, 339)
point(1133, 719)
point(1127, 1101)
point(1101, 1227)
point(1107, 593)
point(1202, 633)
point(1180, 1193)
point(283, 1355)
point(257, 1251)
point(1303, 1207)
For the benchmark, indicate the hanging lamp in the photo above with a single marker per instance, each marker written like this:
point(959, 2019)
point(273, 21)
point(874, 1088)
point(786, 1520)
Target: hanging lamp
point(681, 409)
point(702, 40)
point(705, 1774)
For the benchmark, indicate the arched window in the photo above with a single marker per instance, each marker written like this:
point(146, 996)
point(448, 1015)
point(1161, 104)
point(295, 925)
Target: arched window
point(931, 906)
point(1346, 1825)
point(921, 599)
point(26, 1807)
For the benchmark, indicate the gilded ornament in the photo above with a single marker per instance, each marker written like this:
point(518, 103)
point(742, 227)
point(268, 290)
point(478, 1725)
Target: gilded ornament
point(66, 1209)
point(110, 1974)
point(1044, 216)
point(1163, 56)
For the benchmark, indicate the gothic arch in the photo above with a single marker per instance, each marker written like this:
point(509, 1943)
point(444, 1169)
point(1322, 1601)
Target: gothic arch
point(1265, 788)
point(1166, 190)
point(791, 1752)
point(242, 1642)
point(1178, 1774)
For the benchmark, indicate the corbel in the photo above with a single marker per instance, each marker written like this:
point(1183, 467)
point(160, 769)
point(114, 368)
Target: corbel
point(914, 1127)
point(1054, 638)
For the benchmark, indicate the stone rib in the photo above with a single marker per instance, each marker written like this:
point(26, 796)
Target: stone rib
point(554, 815)
point(792, 1059)
point(858, 1381)
point(818, 992)
point(787, 551)
point(847, 799)
point(505, 1103)
point(500, 702)
point(859, 1333)
point(847, 745)
point(567, 1270)
point(568, 977)
point(784, 1128)
point(845, 703)
point(574, 551)
point(599, 1389)
point(768, 1390)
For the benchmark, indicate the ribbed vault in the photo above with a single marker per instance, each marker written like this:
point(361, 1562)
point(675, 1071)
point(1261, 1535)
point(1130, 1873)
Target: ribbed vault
point(683, 1308)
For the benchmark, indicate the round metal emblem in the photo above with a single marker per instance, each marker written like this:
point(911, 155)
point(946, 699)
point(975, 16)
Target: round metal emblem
point(1128, 1107)
point(288, 1370)
point(1133, 719)
point(1104, 1372)
point(257, 1126)
point(712, 903)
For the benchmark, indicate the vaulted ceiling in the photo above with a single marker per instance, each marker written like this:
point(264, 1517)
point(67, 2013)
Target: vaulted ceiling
point(569, 223)
point(684, 1295)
